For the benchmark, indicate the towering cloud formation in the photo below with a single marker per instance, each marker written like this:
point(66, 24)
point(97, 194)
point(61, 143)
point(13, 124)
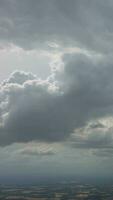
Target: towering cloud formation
point(33, 109)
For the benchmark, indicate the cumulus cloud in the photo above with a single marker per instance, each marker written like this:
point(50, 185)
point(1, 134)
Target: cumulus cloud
point(26, 111)
point(19, 77)
point(32, 109)
point(32, 24)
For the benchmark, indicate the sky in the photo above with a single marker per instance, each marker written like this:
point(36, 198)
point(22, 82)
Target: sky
point(56, 89)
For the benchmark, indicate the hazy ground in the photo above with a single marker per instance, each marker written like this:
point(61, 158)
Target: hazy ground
point(59, 191)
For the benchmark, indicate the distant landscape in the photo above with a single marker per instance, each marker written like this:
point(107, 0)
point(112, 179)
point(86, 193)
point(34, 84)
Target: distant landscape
point(58, 191)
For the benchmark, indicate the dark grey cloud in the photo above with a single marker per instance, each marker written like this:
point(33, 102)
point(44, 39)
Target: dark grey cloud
point(30, 24)
point(34, 109)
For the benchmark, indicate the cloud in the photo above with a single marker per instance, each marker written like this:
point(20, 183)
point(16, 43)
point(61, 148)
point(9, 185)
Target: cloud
point(25, 115)
point(97, 125)
point(73, 23)
point(106, 153)
point(19, 77)
point(32, 109)
point(93, 137)
point(36, 152)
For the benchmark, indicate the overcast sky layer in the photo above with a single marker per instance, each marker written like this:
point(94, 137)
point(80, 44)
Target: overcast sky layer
point(56, 88)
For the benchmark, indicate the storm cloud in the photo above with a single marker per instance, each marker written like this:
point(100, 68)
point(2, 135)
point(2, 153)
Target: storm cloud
point(32, 109)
